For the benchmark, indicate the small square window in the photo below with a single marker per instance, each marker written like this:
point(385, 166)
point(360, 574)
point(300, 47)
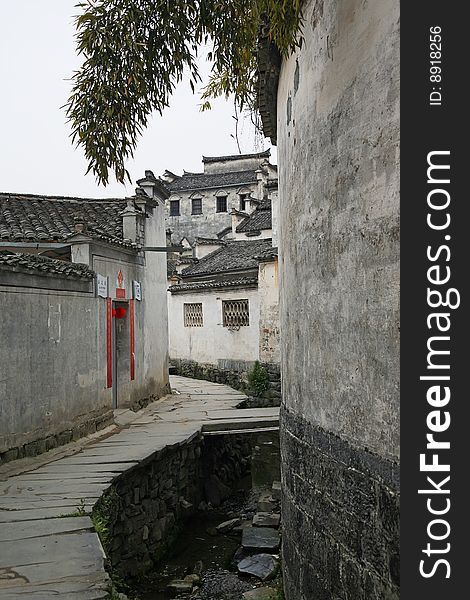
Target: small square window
point(196, 206)
point(174, 208)
point(221, 204)
point(192, 314)
point(235, 313)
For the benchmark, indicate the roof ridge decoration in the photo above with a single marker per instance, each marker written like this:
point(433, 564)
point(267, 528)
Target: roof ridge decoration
point(210, 159)
point(199, 181)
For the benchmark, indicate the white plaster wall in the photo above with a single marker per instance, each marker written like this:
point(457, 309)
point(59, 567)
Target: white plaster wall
point(274, 195)
point(213, 342)
point(202, 250)
point(269, 328)
point(155, 309)
point(338, 153)
point(264, 234)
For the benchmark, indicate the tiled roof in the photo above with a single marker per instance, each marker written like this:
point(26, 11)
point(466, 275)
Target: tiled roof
point(235, 256)
point(267, 255)
point(32, 263)
point(205, 285)
point(186, 260)
point(203, 241)
point(211, 159)
point(199, 181)
point(224, 232)
point(174, 261)
point(260, 219)
point(171, 266)
point(31, 218)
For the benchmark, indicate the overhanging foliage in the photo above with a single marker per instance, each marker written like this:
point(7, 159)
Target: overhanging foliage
point(136, 51)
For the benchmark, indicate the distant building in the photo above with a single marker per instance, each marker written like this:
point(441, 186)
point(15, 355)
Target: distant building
point(84, 314)
point(223, 307)
point(200, 204)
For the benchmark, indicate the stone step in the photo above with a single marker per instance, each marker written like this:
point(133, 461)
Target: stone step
point(179, 586)
point(262, 566)
point(261, 594)
point(276, 490)
point(261, 538)
point(266, 503)
point(265, 519)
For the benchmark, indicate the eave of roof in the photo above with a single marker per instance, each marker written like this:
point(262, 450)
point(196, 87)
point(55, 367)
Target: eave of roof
point(31, 218)
point(237, 256)
point(41, 265)
point(214, 285)
point(212, 159)
point(201, 181)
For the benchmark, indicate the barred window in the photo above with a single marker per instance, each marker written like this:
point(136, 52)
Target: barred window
point(221, 204)
point(193, 314)
point(235, 313)
point(174, 208)
point(196, 205)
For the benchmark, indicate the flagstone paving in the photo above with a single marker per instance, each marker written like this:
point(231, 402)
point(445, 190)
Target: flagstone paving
point(48, 547)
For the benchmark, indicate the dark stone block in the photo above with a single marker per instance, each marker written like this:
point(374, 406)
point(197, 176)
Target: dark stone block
point(340, 518)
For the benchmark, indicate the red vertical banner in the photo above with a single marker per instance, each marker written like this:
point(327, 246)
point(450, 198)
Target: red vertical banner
point(132, 338)
point(109, 342)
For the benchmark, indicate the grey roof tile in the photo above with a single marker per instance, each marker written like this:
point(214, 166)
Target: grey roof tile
point(235, 256)
point(33, 218)
point(259, 219)
point(32, 263)
point(199, 181)
point(211, 285)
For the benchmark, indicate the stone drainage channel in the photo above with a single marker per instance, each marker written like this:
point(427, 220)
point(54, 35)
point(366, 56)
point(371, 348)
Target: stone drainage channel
point(230, 549)
point(168, 473)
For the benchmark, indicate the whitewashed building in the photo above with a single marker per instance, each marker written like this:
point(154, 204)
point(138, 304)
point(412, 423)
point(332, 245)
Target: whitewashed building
point(201, 204)
point(84, 313)
point(223, 308)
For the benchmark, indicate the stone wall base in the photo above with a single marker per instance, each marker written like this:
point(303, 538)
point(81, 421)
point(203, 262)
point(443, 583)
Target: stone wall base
point(340, 512)
point(146, 507)
point(234, 374)
point(84, 427)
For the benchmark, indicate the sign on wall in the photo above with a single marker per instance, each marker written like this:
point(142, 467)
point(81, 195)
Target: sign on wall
point(120, 288)
point(137, 290)
point(101, 286)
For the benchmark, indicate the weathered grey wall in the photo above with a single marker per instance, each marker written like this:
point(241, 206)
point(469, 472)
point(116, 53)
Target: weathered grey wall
point(153, 370)
point(210, 223)
point(145, 508)
point(53, 357)
point(338, 119)
point(268, 290)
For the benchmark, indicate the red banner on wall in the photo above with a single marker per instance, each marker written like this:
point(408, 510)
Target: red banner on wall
point(109, 342)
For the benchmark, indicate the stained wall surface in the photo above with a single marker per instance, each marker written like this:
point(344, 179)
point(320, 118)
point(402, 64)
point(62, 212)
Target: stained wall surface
point(338, 128)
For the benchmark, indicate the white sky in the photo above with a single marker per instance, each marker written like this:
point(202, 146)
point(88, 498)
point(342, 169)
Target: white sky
point(37, 56)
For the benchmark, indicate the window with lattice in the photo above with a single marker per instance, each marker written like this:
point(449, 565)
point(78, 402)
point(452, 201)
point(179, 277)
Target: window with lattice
point(174, 208)
point(193, 314)
point(235, 313)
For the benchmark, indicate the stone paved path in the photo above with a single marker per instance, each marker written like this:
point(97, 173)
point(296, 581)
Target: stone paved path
point(44, 552)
